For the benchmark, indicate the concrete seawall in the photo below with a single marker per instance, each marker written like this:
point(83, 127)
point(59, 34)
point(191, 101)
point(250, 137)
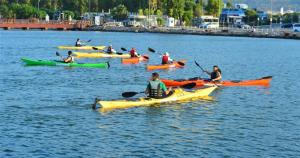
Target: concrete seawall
point(257, 33)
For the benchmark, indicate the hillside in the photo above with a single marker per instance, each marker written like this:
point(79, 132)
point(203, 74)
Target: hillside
point(266, 4)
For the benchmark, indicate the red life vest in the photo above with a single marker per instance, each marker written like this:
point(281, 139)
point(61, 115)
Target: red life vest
point(165, 59)
point(132, 53)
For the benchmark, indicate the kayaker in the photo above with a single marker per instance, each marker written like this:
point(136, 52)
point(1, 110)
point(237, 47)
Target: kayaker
point(156, 88)
point(166, 59)
point(78, 43)
point(133, 53)
point(216, 74)
point(110, 50)
point(70, 58)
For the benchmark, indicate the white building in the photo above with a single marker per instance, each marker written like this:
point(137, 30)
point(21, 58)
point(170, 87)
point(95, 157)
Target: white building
point(170, 22)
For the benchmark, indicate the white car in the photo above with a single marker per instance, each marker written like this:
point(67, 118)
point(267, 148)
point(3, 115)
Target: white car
point(296, 27)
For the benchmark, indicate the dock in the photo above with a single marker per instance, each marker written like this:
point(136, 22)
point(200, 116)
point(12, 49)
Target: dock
point(27, 24)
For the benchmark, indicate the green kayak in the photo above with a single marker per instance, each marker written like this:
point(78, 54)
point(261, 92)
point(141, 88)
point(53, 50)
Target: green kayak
point(61, 63)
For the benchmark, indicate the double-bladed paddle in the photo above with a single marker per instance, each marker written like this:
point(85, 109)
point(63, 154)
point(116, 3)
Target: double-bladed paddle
point(95, 48)
point(125, 50)
point(131, 94)
point(199, 66)
point(57, 54)
point(153, 51)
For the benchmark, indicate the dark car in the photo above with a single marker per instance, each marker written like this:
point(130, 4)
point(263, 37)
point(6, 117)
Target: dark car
point(287, 26)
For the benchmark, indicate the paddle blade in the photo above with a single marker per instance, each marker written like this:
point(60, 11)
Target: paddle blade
point(129, 94)
point(89, 40)
point(119, 53)
point(123, 49)
point(180, 63)
point(197, 63)
point(146, 57)
point(151, 50)
point(189, 85)
point(95, 48)
point(57, 54)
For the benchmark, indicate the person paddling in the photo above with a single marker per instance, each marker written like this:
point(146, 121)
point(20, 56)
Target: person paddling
point(110, 50)
point(78, 43)
point(133, 53)
point(166, 59)
point(70, 58)
point(156, 88)
point(215, 75)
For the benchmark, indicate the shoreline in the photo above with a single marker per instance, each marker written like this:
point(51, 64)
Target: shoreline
point(231, 32)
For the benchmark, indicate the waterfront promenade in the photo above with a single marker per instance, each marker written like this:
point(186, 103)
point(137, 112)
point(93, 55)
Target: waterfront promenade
point(223, 31)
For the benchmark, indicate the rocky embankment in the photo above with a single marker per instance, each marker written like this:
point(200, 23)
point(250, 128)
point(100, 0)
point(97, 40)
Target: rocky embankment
point(258, 33)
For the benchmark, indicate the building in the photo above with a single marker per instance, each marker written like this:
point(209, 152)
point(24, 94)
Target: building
point(206, 22)
point(241, 6)
point(230, 17)
point(170, 22)
point(140, 21)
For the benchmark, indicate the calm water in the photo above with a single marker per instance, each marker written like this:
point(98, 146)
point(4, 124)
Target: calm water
point(46, 111)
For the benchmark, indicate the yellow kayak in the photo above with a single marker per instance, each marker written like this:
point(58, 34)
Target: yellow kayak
point(99, 55)
point(81, 47)
point(178, 95)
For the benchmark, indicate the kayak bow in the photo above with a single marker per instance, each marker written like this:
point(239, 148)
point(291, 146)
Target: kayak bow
point(135, 60)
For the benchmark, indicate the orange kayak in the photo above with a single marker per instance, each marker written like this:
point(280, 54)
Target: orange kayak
point(135, 60)
point(175, 64)
point(264, 81)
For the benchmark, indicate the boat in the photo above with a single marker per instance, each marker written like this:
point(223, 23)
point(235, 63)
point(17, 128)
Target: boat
point(264, 81)
point(100, 55)
point(135, 60)
point(175, 64)
point(81, 47)
point(31, 62)
point(177, 95)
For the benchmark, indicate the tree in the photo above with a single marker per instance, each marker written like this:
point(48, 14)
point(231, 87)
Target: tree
point(214, 7)
point(251, 16)
point(229, 4)
point(198, 9)
point(120, 12)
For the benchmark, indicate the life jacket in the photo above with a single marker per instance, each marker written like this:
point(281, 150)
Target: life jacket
point(109, 50)
point(78, 44)
point(165, 59)
point(214, 75)
point(133, 53)
point(155, 90)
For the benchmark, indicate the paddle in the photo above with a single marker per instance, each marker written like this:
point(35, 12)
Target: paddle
point(57, 54)
point(95, 48)
point(131, 94)
point(125, 50)
point(153, 51)
point(199, 66)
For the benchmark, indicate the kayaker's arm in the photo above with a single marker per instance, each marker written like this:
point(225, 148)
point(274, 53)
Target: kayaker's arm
point(218, 78)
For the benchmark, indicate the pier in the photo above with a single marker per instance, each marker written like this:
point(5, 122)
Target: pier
point(27, 24)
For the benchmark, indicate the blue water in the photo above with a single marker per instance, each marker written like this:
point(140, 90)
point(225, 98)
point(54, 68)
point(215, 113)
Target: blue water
point(46, 111)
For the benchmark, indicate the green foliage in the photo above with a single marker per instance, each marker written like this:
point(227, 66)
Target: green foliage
point(160, 21)
point(198, 9)
point(229, 4)
point(6, 12)
point(214, 7)
point(291, 18)
point(140, 12)
point(69, 13)
point(251, 17)
point(120, 12)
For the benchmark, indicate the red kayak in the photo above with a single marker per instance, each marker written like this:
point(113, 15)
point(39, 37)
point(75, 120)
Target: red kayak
point(135, 60)
point(264, 81)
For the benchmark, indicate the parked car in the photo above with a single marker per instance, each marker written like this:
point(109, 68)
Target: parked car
point(287, 26)
point(296, 27)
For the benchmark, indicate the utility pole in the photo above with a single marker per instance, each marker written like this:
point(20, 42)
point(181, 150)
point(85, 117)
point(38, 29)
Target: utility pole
point(271, 19)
